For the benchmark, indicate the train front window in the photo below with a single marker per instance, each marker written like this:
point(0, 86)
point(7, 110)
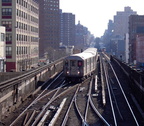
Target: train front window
point(66, 63)
point(73, 63)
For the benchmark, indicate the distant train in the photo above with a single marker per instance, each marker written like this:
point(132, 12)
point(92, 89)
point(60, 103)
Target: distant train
point(78, 66)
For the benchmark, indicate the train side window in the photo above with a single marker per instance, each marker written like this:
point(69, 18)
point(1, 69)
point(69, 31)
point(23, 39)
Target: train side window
point(88, 60)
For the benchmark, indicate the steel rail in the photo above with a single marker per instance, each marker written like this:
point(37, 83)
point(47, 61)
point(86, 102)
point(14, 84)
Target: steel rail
point(97, 112)
point(102, 82)
point(88, 100)
point(44, 108)
point(30, 119)
point(55, 117)
point(15, 80)
point(112, 107)
point(77, 109)
point(125, 96)
point(84, 122)
point(12, 124)
point(116, 102)
point(45, 95)
point(111, 90)
point(57, 95)
point(67, 113)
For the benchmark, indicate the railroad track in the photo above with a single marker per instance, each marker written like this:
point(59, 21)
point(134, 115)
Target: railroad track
point(38, 114)
point(71, 111)
point(85, 110)
point(85, 103)
point(121, 108)
point(35, 105)
point(30, 73)
point(43, 105)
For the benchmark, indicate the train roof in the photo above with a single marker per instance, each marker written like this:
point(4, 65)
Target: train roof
point(90, 52)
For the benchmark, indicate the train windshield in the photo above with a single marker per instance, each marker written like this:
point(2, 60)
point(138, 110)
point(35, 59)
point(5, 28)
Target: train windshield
point(66, 63)
point(73, 63)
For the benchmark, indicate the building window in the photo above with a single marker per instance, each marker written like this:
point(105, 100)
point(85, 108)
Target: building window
point(2, 37)
point(6, 1)
point(8, 37)
point(8, 51)
point(7, 24)
point(6, 11)
point(17, 12)
point(17, 37)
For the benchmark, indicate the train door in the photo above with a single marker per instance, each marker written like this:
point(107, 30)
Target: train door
point(80, 70)
point(73, 68)
point(85, 67)
point(90, 64)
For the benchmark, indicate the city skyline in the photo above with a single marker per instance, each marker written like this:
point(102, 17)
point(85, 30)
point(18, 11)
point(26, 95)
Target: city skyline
point(95, 15)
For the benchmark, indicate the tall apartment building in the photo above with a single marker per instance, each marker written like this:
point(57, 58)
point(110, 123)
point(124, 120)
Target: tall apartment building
point(67, 29)
point(136, 26)
point(2, 49)
point(140, 50)
point(81, 36)
point(121, 21)
point(20, 17)
point(49, 26)
point(126, 48)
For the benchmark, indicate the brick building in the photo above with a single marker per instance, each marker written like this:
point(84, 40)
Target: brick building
point(140, 50)
point(49, 26)
point(81, 36)
point(136, 26)
point(67, 29)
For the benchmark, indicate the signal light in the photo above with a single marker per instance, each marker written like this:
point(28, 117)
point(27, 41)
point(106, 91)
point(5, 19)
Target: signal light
point(79, 63)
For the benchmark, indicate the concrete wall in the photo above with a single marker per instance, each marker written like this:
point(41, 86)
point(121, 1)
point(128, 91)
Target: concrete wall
point(8, 75)
point(136, 80)
point(12, 96)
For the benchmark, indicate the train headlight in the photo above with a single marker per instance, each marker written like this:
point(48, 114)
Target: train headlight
point(67, 72)
point(78, 72)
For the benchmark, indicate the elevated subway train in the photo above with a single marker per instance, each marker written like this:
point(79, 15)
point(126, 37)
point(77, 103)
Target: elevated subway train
point(78, 66)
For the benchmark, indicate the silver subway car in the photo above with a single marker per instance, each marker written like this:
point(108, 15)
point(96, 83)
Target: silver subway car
point(78, 66)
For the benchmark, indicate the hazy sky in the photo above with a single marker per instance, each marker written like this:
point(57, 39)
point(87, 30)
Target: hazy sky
point(95, 14)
